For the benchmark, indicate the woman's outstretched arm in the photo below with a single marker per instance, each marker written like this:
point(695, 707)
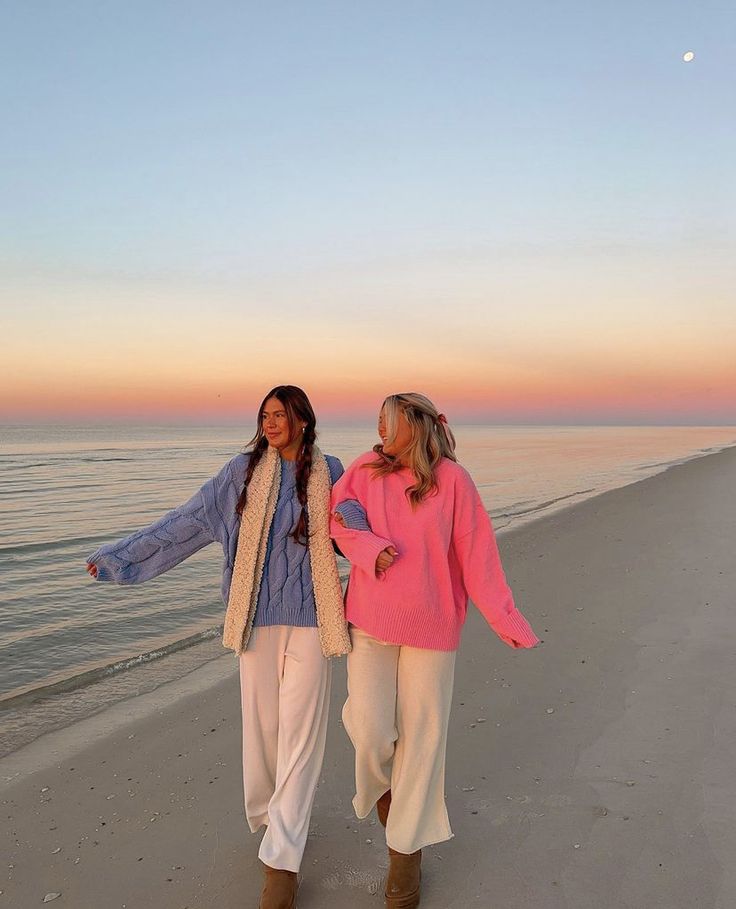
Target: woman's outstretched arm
point(174, 537)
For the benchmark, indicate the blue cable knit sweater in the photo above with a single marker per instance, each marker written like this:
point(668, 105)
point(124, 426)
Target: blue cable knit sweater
point(286, 596)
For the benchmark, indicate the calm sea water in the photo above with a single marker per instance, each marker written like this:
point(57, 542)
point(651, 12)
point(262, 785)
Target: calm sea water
point(65, 490)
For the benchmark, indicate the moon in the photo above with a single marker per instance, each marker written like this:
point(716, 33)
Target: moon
point(688, 56)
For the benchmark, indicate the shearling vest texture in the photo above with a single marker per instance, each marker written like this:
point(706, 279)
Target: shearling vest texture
point(255, 524)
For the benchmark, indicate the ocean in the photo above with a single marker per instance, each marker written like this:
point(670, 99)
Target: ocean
point(70, 646)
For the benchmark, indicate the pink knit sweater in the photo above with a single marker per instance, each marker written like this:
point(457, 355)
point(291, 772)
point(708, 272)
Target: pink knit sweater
point(447, 554)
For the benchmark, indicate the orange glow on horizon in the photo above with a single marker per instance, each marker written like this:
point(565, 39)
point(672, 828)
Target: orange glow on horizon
point(512, 397)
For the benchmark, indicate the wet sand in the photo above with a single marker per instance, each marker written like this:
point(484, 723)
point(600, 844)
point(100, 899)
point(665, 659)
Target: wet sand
point(596, 770)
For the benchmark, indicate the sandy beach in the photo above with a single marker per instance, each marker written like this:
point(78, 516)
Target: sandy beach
point(595, 771)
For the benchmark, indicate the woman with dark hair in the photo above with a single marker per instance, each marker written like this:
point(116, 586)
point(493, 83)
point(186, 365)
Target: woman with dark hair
point(269, 510)
point(429, 548)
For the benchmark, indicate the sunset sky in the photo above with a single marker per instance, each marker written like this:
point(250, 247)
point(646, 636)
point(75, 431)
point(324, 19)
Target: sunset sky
point(525, 210)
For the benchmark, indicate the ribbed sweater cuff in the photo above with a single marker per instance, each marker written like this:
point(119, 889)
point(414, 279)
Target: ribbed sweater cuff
point(374, 547)
point(361, 548)
point(514, 630)
point(353, 514)
point(103, 573)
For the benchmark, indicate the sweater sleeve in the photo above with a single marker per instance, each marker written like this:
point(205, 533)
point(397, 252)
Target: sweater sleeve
point(174, 537)
point(353, 514)
point(334, 465)
point(476, 550)
point(356, 540)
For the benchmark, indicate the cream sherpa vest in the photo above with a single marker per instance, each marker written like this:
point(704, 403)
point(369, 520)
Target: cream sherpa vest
point(255, 524)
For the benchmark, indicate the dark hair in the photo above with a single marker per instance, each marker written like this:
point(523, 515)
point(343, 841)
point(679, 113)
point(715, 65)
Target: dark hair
point(298, 409)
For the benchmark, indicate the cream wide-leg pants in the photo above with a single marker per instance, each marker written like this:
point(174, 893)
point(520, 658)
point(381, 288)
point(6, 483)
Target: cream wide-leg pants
point(285, 695)
point(396, 715)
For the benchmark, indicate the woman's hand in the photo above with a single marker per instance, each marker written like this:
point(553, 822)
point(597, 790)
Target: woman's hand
point(339, 518)
point(91, 569)
point(386, 558)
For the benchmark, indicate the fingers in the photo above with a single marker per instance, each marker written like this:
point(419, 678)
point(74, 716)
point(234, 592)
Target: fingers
point(339, 518)
point(386, 558)
point(91, 569)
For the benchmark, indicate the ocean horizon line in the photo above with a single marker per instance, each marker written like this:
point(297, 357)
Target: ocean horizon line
point(366, 423)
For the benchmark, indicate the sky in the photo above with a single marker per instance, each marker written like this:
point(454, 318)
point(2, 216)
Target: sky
point(526, 211)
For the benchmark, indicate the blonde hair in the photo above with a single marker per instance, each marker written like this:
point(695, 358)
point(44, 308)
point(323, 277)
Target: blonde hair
point(431, 440)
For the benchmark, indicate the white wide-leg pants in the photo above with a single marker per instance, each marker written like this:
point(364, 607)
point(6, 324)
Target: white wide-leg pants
point(396, 715)
point(285, 695)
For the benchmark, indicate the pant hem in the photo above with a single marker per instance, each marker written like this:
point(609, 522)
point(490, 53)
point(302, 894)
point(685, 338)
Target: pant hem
point(422, 845)
point(362, 817)
point(279, 864)
point(256, 823)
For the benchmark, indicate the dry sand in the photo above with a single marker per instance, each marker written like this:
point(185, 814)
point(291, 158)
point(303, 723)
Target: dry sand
point(596, 771)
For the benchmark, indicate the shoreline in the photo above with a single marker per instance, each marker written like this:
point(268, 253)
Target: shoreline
point(124, 676)
point(595, 770)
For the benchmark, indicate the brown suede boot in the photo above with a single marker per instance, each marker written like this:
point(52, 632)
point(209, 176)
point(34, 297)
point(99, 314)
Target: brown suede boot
point(404, 877)
point(382, 807)
point(279, 889)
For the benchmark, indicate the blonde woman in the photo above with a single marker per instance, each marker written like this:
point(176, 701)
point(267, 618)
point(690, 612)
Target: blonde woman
point(430, 548)
point(269, 510)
